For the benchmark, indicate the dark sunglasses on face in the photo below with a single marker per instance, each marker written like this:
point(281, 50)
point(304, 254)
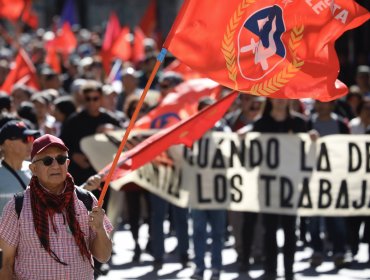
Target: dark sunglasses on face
point(25, 140)
point(92, 99)
point(47, 161)
point(164, 86)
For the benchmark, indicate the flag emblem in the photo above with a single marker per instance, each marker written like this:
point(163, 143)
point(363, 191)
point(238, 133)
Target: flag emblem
point(260, 43)
point(165, 119)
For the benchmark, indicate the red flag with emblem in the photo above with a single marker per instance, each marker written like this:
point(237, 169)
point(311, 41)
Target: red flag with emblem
point(185, 132)
point(180, 104)
point(23, 73)
point(273, 48)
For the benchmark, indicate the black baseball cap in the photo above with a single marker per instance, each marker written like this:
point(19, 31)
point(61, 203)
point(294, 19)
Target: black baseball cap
point(16, 130)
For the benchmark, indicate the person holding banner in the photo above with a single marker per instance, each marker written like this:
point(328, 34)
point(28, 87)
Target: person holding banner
point(277, 117)
point(53, 236)
point(244, 223)
point(216, 218)
point(325, 122)
point(359, 126)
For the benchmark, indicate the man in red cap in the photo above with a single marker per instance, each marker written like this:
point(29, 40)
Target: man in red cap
point(54, 236)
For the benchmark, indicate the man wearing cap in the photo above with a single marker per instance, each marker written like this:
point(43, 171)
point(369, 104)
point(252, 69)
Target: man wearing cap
point(15, 143)
point(54, 236)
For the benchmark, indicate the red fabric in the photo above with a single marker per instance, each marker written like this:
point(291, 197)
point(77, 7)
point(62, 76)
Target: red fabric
point(112, 32)
point(186, 72)
point(11, 9)
point(180, 104)
point(29, 16)
point(24, 72)
point(148, 22)
point(122, 47)
point(65, 41)
point(52, 59)
point(184, 132)
point(137, 54)
point(230, 40)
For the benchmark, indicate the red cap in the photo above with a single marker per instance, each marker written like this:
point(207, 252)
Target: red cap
point(46, 141)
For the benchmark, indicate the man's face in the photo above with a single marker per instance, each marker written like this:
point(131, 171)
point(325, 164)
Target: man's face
point(53, 176)
point(19, 148)
point(324, 108)
point(18, 97)
point(93, 101)
point(365, 112)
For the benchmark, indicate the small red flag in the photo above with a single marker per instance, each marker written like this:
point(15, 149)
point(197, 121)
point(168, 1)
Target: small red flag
point(148, 22)
point(52, 59)
point(185, 132)
point(11, 9)
point(29, 16)
point(112, 32)
point(24, 73)
point(273, 48)
point(179, 105)
point(122, 46)
point(65, 40)
point(138, 46)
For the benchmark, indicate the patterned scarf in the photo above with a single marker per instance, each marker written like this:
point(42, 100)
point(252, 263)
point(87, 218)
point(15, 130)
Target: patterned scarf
point(45, 205)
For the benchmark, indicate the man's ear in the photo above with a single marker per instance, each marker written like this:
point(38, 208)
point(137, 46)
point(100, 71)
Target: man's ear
point(32, 167)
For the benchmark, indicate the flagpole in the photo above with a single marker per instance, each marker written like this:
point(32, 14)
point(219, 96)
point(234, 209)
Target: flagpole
point(158, 63)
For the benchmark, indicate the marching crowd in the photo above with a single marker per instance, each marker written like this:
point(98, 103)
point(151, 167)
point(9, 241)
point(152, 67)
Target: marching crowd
point(84, 100)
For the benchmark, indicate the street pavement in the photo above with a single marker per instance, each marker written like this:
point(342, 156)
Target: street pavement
point(123, 268)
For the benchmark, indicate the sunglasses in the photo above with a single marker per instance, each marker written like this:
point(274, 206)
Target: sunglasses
point(25, 140)
point(92, 99)
point(164, 86)
point(47, 161)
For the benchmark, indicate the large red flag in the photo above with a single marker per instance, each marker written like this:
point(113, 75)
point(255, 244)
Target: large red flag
point(185, 132)
point(24, 73)
point(180, 104)
point(275, 48)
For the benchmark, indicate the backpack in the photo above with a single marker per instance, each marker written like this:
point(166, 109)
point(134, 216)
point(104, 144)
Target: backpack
point(82, 195)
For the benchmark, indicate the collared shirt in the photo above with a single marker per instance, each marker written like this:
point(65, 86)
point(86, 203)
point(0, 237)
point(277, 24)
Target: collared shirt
point(32, 261)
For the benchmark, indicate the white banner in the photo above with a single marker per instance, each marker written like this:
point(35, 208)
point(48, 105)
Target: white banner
point(271, 173)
